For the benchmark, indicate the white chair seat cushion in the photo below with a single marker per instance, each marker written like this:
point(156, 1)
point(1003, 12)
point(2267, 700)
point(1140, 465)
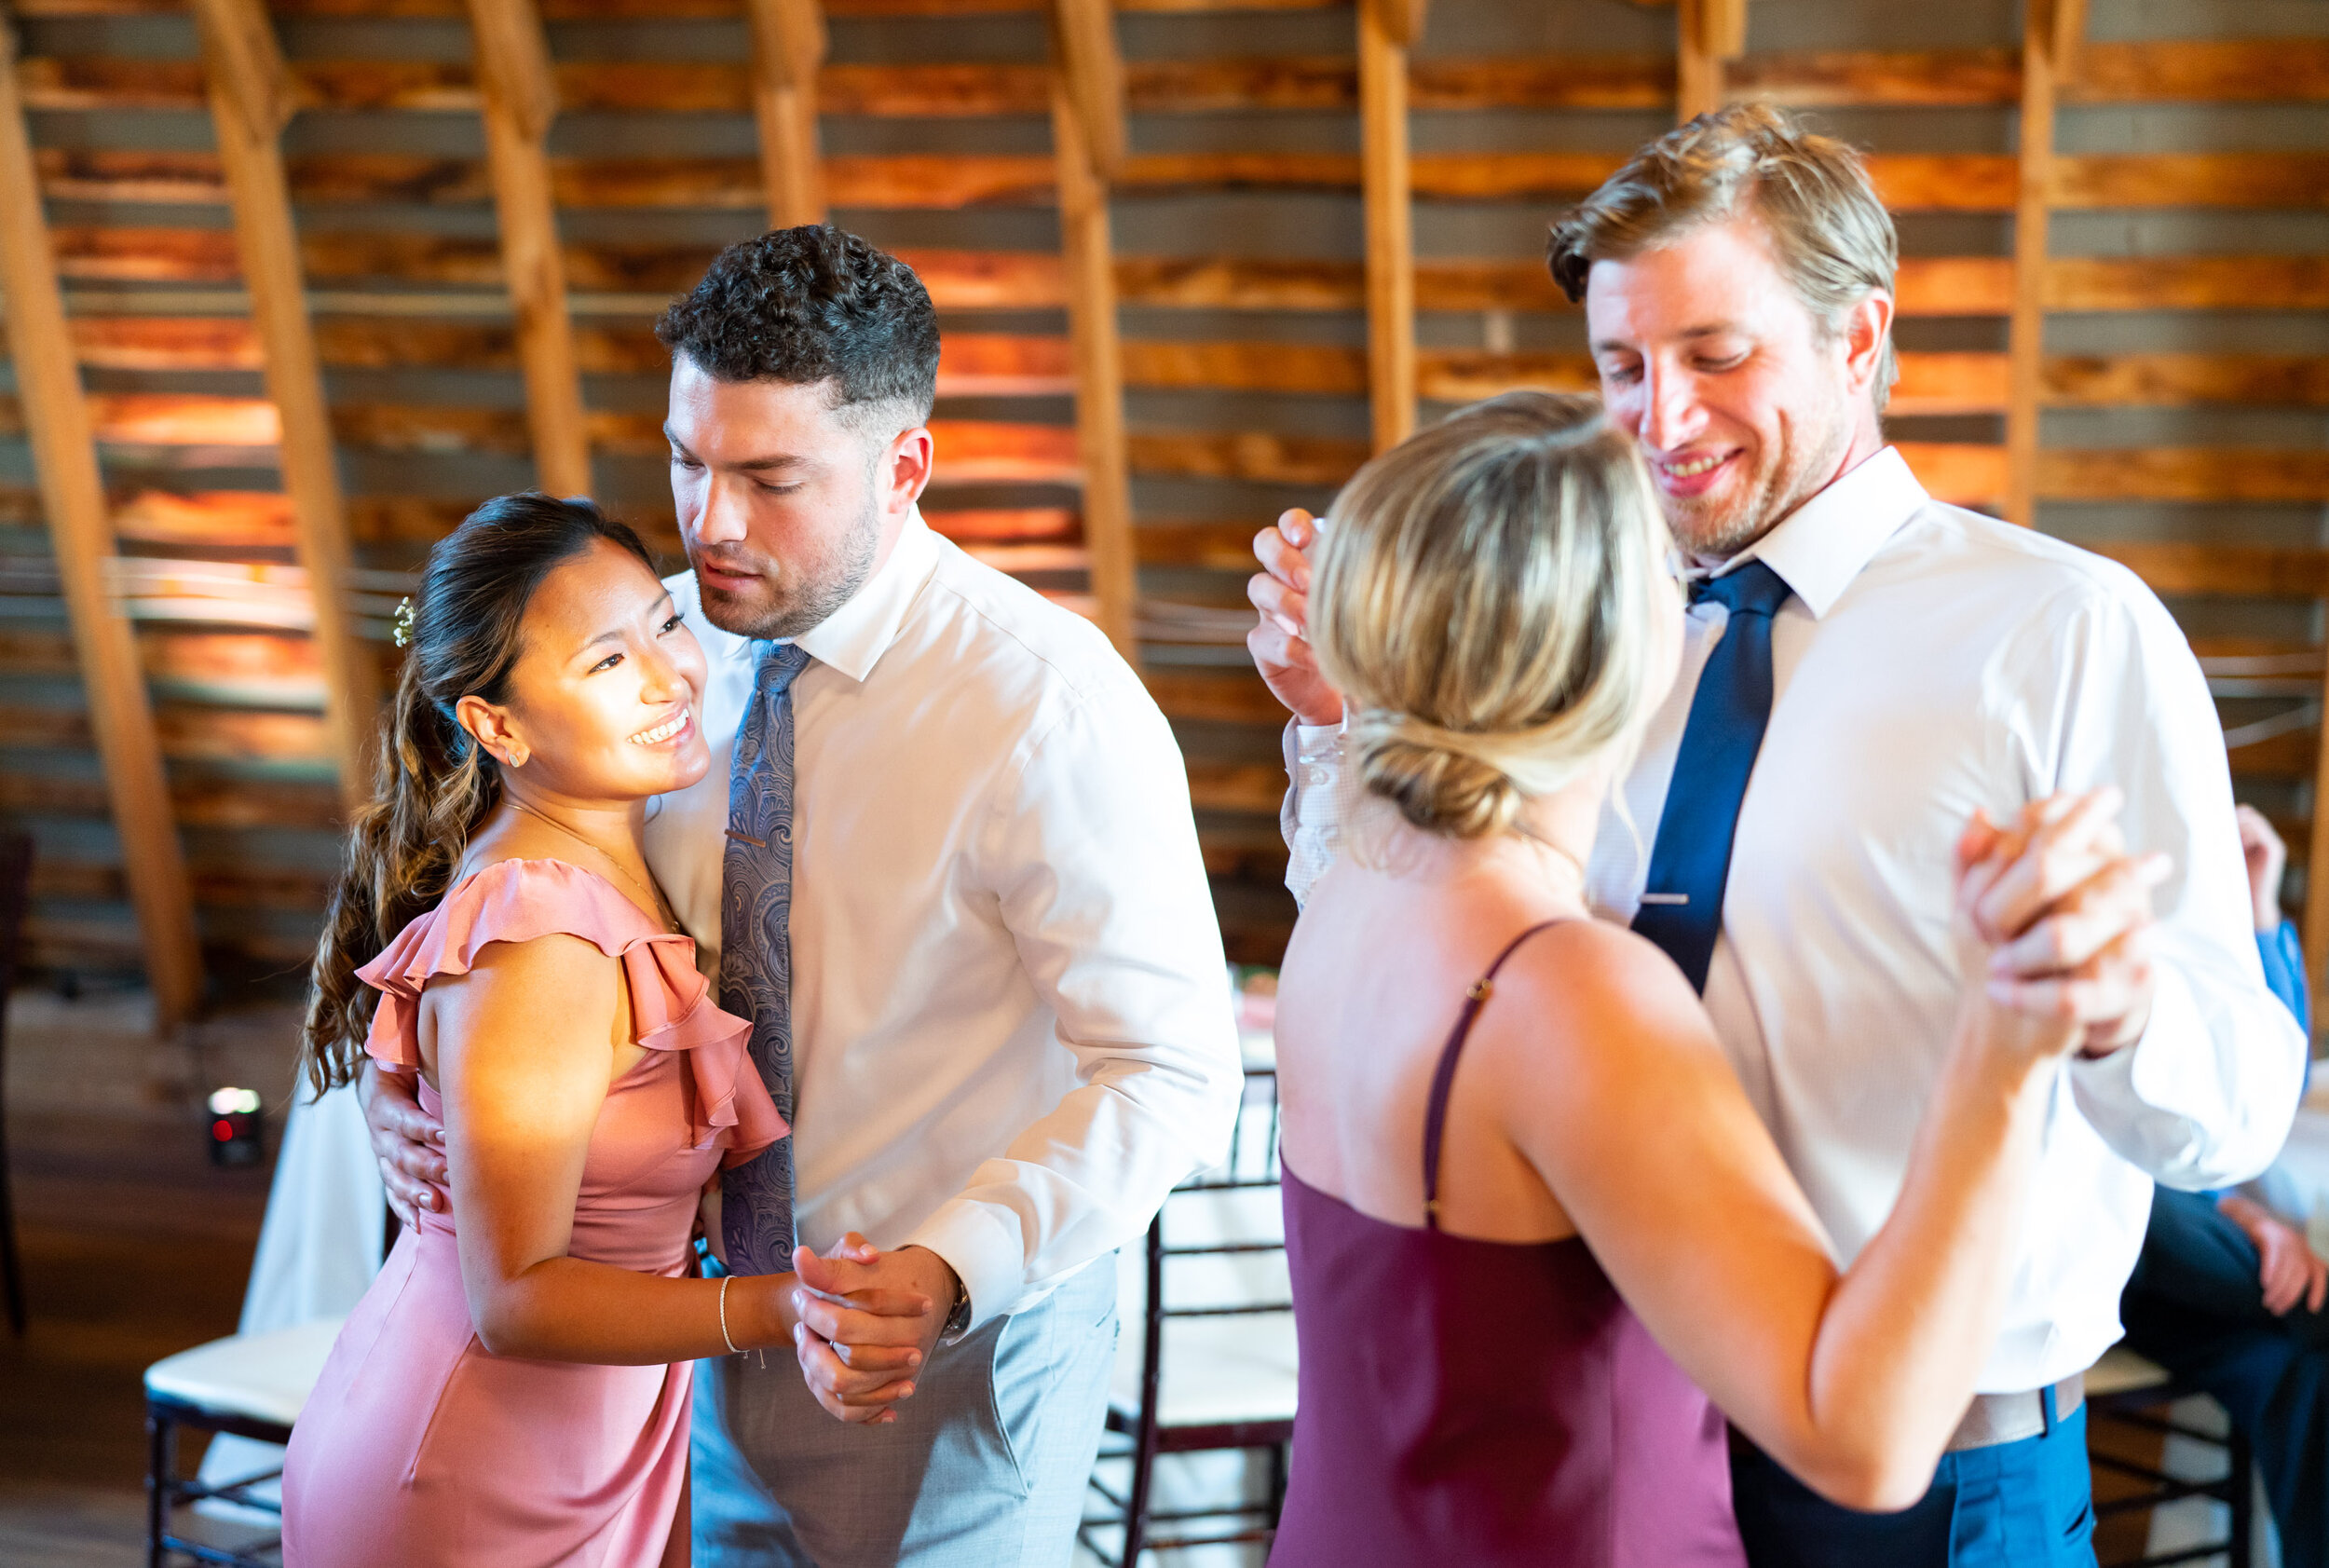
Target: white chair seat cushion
point(2123, 1371)
point(263, 1377)
point(1217, 1369)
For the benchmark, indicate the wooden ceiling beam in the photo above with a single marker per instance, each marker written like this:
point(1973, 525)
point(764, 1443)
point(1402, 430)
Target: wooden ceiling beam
point(1906, 182)
point(120, 712)
point(521, 101)
point(2067, 35)
point(2180, 70)
point(251, 100)
point(2032, 202)
point(1087, 96)
point(1387, 191)
point(789, 49)
point(1708, 34)
point(1083, 39)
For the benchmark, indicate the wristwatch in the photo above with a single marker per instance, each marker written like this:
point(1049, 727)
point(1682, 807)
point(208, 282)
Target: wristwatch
point(958, 1320)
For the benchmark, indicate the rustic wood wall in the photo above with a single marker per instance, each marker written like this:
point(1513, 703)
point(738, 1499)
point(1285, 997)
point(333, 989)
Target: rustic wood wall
point(1294, 228)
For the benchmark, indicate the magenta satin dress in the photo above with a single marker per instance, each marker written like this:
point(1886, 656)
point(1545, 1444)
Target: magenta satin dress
point(420, 1449)
point(1482, 1403)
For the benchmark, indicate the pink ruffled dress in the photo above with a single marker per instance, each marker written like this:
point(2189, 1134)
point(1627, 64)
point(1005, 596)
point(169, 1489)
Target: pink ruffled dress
point(418, 1447)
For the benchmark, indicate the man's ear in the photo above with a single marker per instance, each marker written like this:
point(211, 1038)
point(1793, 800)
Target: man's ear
point(904, 471)
point(493, 728)
point(1867, 328)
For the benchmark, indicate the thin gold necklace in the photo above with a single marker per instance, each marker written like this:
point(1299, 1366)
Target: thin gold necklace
point(663, 910)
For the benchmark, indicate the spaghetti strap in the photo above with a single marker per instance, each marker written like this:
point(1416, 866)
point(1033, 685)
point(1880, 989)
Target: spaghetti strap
point(1443, 1078)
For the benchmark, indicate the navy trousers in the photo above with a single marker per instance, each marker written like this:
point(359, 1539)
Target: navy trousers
point(2196, 1307)
point(2020, 1504)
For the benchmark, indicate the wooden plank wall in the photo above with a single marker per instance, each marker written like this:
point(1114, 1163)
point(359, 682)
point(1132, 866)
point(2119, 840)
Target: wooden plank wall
point(2181, 309)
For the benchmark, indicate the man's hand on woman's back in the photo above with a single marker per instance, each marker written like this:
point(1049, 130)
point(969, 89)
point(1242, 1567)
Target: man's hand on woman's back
point(408, 1142)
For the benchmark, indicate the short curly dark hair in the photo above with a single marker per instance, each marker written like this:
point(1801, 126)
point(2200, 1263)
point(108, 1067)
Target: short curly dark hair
point(807, 305)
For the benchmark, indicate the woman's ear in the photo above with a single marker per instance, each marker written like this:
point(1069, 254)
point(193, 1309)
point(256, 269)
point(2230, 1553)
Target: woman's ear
point(493, 728)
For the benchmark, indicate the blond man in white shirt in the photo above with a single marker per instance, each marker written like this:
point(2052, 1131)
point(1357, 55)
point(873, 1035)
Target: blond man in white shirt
point(1736, 280)
point(1001, 1022)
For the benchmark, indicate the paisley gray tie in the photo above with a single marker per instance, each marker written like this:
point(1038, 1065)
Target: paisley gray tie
point(756, 954)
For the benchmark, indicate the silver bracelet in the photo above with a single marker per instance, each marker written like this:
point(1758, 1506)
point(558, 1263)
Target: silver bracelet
point(725, 1280)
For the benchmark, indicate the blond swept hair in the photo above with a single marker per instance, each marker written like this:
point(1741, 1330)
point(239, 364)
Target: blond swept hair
point(1483, 600)
point(1834, 241)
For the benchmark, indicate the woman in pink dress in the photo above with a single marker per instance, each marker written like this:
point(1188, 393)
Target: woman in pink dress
point(515, 1390)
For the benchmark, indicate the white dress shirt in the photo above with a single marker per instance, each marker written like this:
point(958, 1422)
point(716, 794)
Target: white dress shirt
point(1012, 1024)
point(1931, 660)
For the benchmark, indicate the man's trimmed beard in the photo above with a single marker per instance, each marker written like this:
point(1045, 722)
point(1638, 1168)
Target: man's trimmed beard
point(801, 600)
point(1799, 470)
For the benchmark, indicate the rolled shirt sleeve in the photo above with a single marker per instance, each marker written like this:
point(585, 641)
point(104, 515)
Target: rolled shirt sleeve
point(1092, 854)
point(2206, 1096)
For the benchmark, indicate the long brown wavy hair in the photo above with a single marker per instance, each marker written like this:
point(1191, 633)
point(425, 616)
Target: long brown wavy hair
point(433, 784)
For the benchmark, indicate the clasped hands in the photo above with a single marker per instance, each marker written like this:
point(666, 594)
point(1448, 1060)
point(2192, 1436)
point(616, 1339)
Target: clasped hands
point(864, 1322)
point(2059, 915)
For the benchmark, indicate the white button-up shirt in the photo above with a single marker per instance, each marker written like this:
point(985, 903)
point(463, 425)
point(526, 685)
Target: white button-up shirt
point(1012, 1024)
point(1932, 661)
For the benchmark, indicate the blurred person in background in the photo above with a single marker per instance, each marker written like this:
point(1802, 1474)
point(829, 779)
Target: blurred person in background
point(2229, 1295)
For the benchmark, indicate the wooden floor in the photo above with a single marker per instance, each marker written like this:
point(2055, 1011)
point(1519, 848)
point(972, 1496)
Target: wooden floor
point(135, 1247)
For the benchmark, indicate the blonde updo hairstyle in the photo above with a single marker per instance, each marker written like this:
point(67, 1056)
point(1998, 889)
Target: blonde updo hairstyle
point(1483, 603)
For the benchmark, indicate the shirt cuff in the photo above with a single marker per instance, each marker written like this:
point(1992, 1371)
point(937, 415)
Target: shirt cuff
point(2150, 1099)
point(983, 1253)
point(1312, 752)
point(2141, 1076)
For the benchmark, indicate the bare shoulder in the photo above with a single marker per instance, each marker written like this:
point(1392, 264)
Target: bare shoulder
point(567, 975)
point(1591, 989)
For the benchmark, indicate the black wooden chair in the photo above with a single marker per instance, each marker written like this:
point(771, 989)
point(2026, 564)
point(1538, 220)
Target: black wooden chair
point(250, 1385)
point(1214, 1367)
point(15, 894)
point(2127, 1389)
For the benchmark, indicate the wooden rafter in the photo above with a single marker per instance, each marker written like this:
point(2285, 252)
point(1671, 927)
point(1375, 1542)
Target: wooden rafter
point(64, 452)
point(1709, 34)
point(1094, 67)
point(521, 101)
point(2179, 70)
point(2069, 31)
point(1080, 77)
point(1386, 182)
point(2033, 200)
point(252, 97)
point(788, 48)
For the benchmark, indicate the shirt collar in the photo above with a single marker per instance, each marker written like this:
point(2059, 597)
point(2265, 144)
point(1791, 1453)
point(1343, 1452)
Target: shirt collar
point(853, 638)
point(1820, 546)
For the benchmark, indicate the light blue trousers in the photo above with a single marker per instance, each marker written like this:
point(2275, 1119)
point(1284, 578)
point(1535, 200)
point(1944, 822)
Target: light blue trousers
point(985, 1467)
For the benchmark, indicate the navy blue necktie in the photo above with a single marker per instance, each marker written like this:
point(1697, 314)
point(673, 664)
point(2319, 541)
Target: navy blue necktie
point(757, 954)
point(1682, 904)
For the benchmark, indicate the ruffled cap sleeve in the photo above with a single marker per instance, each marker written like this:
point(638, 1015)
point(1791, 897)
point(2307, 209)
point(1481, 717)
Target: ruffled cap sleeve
point(670, 1004)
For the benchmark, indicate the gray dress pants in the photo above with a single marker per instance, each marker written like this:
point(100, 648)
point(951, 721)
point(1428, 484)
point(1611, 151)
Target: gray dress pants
point(985, 1467)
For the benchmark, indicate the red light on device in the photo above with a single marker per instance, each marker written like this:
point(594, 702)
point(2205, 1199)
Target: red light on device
point(235, 1120)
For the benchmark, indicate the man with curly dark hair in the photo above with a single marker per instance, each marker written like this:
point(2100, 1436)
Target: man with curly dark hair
point(946, 863)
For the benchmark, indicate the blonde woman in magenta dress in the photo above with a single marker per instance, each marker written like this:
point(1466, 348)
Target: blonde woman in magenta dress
point(516, 1391)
